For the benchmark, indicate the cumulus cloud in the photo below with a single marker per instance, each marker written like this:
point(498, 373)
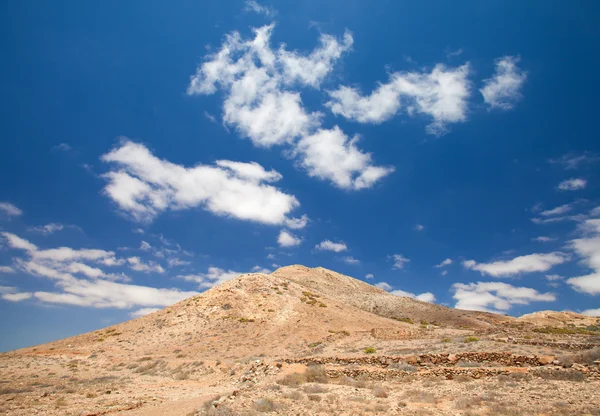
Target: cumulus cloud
point(503, 89)
point(424, 297)
point(296, 223)
point(573, 184)
point(444, 263)
point(369, 276)
point(591, 312)
point(6, 269)
point(263, 104)
point(442, 95)
point(328, 245)
point(287, 239)
point(399, 261)
point(543, 239)
point(495, 297)
point(523, 264)
point(9, 210)
point(143, 186)
point(588, 247)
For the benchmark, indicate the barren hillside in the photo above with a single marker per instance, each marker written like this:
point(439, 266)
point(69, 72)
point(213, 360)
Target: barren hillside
point(307, 341)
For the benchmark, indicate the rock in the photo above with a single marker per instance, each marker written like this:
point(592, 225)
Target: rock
point(546, 359)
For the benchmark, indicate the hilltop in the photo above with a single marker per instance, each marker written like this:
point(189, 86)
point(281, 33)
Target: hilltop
point(243, 337)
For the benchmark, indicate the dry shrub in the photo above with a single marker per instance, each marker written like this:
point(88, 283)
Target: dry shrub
point(316, 374)
point(314, 397)
point(403, 367)
point(293, 380)
point(562, 375)
point(314, 389)
point(421, 396)
point(293, 395)
point(462, 378)
point(380, 392)
point(587, 357)
point(381, 408)
point(468, 402)
point(265, 405)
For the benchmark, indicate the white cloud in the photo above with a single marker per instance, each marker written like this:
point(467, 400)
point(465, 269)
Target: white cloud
point(495, 296)
point(444, 263)
point(6, 269)
point(262, 103)
point(63, 264)
point(523, 264)
point(135, 263)
point(553, 277)
point(591, 312)
point(328, 245)
point(503, 90)
point(214, 276)
point(138, 231)
point(543, 239)
point(573, 184)
point(254, 6)
point(331, 155)
point(143, 312)
point(399, 261)
point(47, 229)
point(419, 227)
point(258, 269)
point(144, 186)
point(369, 276)
point(63, 147)
point(424, 297)
point(145, 246)
point(384, 285)
point(441, 95)
point(350, 260)
point(17, 297)
point(296, 223)
point(588, 247)
point(444, 272)
point(562, 209)
point(572, 161)
point(175, 261)
point(9, 210)
point(287, 239)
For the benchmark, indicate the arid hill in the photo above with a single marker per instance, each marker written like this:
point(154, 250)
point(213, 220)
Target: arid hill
point(307, 341)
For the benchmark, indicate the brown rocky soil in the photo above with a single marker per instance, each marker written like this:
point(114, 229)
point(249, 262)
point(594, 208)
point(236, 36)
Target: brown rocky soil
point(306, 341)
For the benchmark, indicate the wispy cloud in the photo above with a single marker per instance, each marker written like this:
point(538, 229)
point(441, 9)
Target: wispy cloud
point(255, 7)
point(399, 261)
point(9, 210)
point(573, 184)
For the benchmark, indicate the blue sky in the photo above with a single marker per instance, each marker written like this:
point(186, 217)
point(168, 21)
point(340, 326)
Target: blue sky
point(446, 151)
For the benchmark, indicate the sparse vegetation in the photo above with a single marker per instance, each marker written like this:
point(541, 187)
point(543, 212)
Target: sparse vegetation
point(471, 339)
point(265, 405)
point(446, 340)
point(404, 319)
point(370, 350)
